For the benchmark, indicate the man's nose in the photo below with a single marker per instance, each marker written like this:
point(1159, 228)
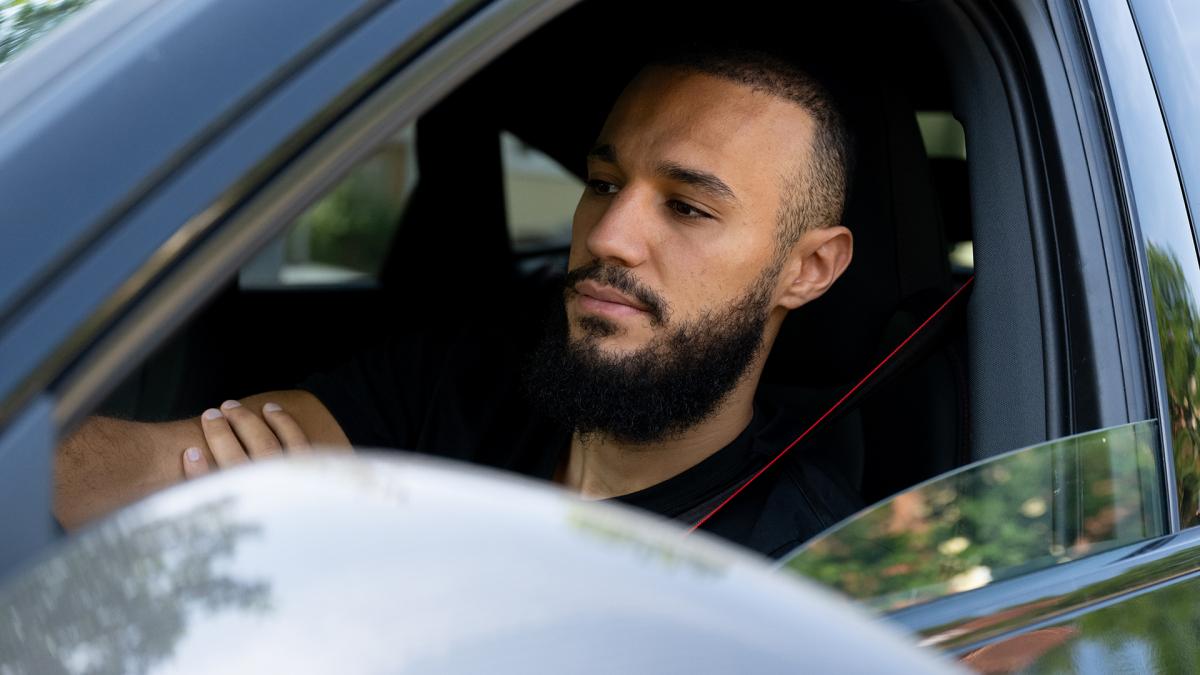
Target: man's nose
point(622, 234)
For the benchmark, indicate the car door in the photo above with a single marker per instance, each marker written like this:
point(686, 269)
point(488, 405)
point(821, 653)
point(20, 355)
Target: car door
point(1111, 585)
point(235, 176)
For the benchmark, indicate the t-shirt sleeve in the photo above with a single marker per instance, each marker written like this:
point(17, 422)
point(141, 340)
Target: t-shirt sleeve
point(380, 397)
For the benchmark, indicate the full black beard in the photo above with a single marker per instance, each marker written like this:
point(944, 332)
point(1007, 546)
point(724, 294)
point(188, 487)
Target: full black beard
point(657, 392)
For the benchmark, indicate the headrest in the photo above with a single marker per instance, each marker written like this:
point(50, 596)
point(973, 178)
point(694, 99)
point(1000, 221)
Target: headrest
point(949, 175)
point(899, 249)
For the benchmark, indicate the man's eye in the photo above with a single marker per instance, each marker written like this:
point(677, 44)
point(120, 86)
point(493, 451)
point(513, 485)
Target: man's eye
point(602, 187)
point(686, 210)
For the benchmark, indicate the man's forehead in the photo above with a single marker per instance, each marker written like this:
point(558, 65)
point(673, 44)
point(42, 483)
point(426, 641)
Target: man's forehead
point(705, 121)
point(688, 106)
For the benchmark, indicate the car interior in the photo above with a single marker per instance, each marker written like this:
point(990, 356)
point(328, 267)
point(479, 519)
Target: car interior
point(902, 72)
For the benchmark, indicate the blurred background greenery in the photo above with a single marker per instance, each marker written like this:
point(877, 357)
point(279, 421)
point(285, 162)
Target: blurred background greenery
point(351, 226)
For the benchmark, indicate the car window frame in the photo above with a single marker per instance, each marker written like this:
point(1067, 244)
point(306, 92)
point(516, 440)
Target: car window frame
point(393, 83)
point(259, 203)
point(967, 621)
point(260, 206)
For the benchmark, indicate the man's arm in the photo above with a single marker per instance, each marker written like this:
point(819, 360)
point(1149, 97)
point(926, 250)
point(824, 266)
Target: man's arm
point(108, 463)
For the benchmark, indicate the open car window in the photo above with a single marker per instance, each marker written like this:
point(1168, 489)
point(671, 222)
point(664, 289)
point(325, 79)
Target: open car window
point(996, 519)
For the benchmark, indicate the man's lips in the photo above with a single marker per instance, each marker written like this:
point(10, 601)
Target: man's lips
point(602, 299)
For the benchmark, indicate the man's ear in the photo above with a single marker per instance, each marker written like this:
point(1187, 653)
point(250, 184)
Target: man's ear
point(816, 260)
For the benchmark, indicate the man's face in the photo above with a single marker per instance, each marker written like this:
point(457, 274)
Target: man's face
point(680, 217)
point(672, 273)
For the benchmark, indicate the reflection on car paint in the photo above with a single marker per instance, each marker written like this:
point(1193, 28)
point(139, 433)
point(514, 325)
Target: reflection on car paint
point(1170, 31)
point(1160, 210)
point(1027, 510)
point(1178, 326)
point(24, 23)
point(120, 600)
point(1150, 633)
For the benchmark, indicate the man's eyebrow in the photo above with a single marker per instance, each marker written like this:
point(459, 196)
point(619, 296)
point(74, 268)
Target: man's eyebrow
point(701, 180)
point(603, 152)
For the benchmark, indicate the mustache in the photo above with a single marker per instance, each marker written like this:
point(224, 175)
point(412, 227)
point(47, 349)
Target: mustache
point(622, 280)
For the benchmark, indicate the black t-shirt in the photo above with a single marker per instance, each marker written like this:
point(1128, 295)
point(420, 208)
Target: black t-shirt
point(459, 395)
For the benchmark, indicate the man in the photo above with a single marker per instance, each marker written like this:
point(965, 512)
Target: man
point(712, 209)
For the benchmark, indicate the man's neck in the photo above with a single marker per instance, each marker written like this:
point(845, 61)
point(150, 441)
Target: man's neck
point(600, 467)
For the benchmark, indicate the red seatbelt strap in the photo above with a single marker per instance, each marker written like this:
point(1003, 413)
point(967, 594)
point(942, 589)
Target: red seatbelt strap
point(866, 378)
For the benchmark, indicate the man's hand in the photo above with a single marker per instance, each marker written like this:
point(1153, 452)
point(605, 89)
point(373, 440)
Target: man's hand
point(108, 463)
point(236, 435)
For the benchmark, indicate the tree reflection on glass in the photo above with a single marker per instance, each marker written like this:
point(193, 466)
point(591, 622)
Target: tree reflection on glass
point(1023, 511)
point(1178, 334)
point(22, 22)
point(116, 600)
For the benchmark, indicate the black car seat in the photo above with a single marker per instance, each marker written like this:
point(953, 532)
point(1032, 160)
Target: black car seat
point(451, 244)
point(914, 422)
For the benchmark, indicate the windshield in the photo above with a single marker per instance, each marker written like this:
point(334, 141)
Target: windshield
point(23, 22)
point(1022, 511)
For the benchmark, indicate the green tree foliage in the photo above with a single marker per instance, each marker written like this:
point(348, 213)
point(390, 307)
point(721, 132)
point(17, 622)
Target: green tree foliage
point(24, 21)
point(352, 226)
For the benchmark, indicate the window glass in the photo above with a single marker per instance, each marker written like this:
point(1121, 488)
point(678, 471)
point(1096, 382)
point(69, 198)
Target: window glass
point(1170, 32)
point(943, 136)
point(946, 146)
point(342, 239)
point(23, 22)
point(539, 196)
point(1010, 515)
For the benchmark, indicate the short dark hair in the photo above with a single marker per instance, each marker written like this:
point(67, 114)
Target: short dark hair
point(818, 197)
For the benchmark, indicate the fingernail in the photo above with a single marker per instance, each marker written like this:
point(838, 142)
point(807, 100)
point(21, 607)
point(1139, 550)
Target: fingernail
point(229, 405)
point(272, 407)
point(212, 414)
point(192, 454)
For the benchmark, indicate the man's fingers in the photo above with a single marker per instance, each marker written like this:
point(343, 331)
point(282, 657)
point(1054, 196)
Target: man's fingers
point(235, 435)
point(194, 463)
point(226, 448)
point(285, 428)
point(256, 437)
